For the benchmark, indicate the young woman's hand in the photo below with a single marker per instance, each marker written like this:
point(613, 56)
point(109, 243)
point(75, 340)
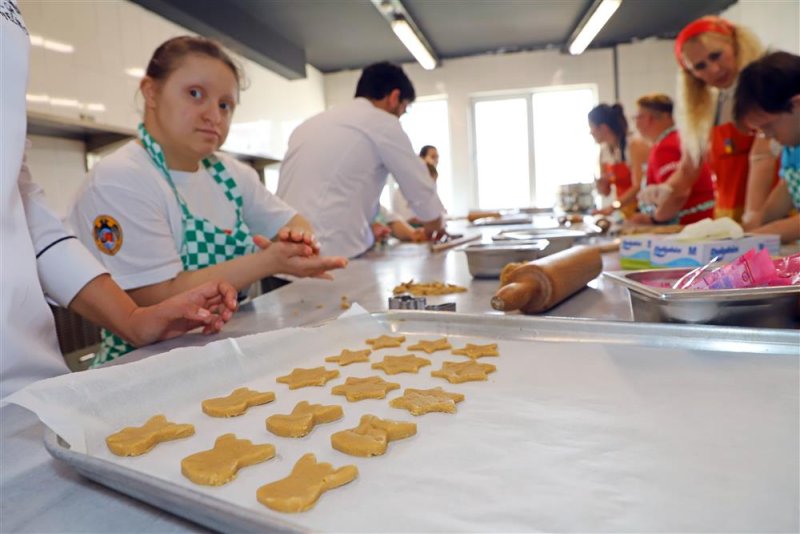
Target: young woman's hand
point(298, 259)
point(288, 234)
point(209, 306)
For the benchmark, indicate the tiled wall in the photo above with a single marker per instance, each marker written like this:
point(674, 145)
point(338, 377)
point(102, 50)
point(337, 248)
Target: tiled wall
point(58, 165)
point(109, 37)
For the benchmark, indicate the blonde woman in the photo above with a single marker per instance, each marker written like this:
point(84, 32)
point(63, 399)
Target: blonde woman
point(711, 52)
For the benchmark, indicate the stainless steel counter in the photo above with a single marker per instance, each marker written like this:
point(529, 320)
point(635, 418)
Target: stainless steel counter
point(40, 495)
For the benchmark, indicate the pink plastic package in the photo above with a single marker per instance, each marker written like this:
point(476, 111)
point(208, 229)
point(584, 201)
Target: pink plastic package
point(751, 269)
point(788, 271)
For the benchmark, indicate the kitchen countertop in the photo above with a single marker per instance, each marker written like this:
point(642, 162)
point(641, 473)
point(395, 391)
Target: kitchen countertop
point(38, 494)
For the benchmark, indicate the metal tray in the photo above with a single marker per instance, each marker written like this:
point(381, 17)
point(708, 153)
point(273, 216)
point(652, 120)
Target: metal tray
point(763, 307)
point(632, 342)
point(486, 260)
point(560, 239)
point(518, 218)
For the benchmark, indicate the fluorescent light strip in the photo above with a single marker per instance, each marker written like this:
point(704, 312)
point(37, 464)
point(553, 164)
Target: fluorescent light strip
point(136, 72)
point(65, 103)
point(407, 36)
point(37, 99)
point(48, 44)
point(593, 26)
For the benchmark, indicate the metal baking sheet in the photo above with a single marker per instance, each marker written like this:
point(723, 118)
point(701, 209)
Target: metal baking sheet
point(772, 307)
point(605, 399)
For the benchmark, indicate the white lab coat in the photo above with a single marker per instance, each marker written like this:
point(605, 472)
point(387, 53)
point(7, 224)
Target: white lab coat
point(37, 255)
point(336, 167)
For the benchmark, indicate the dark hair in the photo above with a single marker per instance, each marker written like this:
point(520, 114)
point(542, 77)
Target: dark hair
point(614, 118)
point(380, 79)
point(424, 150)
point(432, 170)
point(169, 55)
point(768, 84)
point(657, 102)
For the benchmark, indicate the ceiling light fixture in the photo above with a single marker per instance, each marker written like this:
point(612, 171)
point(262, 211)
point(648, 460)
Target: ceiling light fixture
point(591, 24)
point(407, 31)
point(406, 34)
point(136, 72)
point(54, 46)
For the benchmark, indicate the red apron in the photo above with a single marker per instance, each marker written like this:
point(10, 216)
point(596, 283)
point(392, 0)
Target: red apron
point(619, 174)
point(729, 159)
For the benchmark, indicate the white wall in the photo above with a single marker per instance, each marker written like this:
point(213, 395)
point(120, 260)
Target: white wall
point(58, 165)
point(111, 36)
point(776, 22)
point(644, 67)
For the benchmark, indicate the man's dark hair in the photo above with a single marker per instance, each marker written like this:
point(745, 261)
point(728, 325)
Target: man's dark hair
point(380, 79)
point(424, 150)
point(767, 84)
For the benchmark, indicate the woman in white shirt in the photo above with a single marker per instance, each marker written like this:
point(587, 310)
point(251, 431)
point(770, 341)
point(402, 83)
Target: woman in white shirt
point(164, 212)
point(39, 257)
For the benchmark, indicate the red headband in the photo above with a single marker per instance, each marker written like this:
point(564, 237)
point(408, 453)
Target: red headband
point(703, 25)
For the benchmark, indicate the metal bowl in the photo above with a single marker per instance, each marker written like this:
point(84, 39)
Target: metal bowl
point(486, 260)
point(560, 239)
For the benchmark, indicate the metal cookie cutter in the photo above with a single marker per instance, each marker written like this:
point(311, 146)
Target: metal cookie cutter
point(405, 301)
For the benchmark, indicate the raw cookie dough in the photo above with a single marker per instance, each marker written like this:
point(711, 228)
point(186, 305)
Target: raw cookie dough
point(219, 465)
point(371, 387)
point(303, 419)
point(302, 488)
point(386, 342)
point(470, 370)
point(409, 363)
point(431, 346)
point(236, 403)
point(300, 378)
point(136, 440)
point(477, 351)
point(372, 436)
point(422, 401)
point(430, 288)
point(346, 357)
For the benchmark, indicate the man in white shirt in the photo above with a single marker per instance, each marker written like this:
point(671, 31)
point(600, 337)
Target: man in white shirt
point(338, 161)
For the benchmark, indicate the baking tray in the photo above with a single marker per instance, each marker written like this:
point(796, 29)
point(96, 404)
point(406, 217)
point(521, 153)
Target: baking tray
point(764, 307)
point(625, 347)
point(487, 260)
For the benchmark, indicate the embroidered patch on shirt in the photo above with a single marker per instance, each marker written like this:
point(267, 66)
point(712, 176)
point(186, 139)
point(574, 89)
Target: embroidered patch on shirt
point(107, 234)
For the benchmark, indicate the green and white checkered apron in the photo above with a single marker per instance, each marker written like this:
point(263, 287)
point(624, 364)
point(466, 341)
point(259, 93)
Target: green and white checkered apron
point(204, 244)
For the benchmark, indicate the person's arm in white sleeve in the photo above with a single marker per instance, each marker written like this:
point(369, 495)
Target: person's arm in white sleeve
point(411, 175)
point(63, 263)
point(73, 278)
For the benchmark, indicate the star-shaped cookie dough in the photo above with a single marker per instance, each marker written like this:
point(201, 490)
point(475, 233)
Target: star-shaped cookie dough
point(371, 387)
point(409, 363)
point(422, 401)
point(431, 346)
point(346, 357)
point(457, 372)
point(386, 342)
point(477, 351)
point(300, 378)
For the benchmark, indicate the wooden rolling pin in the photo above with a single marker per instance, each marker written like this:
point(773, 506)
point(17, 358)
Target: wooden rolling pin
point(541, 284)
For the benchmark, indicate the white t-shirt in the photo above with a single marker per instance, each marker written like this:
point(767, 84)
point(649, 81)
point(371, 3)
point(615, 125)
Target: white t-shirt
point(336, 167)
point(128, 187)
point(37, 255)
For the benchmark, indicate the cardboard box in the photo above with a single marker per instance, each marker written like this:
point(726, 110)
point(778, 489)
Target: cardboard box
point(634, 251)
point(666, 251)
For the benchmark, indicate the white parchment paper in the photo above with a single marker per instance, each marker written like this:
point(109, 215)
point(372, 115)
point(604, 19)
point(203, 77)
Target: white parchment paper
point(563, 437)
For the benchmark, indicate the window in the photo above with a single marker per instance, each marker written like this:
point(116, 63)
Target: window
point(502, 147)
point(526, 145)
